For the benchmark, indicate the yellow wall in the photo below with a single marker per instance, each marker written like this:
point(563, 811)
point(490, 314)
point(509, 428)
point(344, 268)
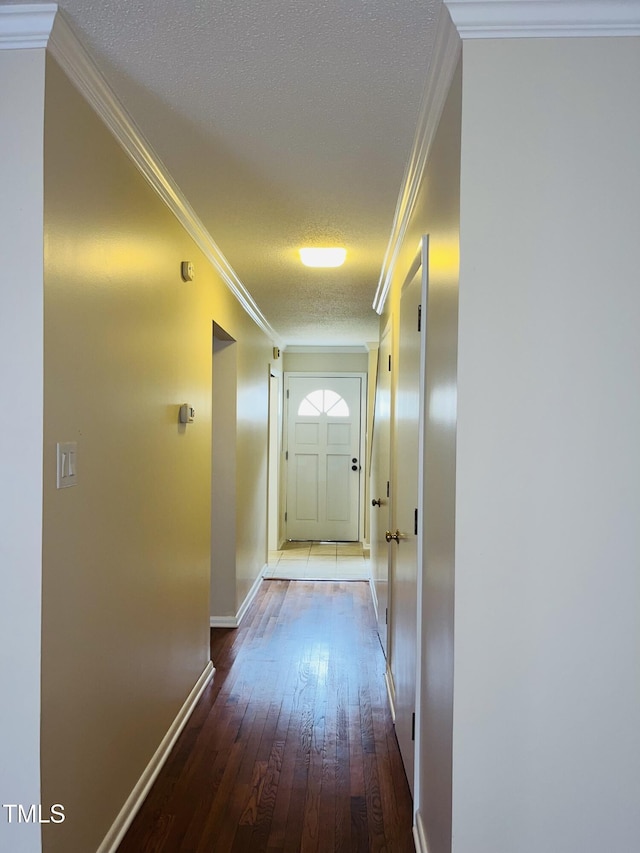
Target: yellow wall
point(126, 554)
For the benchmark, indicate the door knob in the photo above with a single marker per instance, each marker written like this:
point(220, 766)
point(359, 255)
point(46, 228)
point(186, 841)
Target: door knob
point(375, 502)
point(389, 536)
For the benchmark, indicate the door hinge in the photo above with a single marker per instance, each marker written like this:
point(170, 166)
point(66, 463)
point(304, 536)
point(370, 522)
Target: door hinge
point(413, 726)
point(415, 522)
point(387, 488)
point(285, 516)
point(386, 616)
point(287, 393)
point(286, 455)
point(389, 362)
point(419, 318)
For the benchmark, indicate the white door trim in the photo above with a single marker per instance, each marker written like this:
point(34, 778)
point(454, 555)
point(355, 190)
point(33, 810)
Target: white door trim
point(424, 263)
point(275, 513)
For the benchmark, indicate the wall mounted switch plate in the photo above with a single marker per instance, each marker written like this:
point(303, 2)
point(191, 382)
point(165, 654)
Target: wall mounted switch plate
point(67, 465)
point(187, 414)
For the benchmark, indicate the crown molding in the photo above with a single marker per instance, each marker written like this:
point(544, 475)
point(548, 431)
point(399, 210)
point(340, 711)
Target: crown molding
point(444, 58)
point(476, 19)
point(44, 25)
point(23, 27)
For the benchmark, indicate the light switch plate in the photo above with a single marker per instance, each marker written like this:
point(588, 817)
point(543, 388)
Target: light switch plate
point(67, 465)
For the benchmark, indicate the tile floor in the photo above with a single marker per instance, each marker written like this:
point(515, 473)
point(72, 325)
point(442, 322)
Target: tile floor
point(339, 561)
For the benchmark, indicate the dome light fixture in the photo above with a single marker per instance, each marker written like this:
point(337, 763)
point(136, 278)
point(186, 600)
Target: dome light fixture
point(327, 257)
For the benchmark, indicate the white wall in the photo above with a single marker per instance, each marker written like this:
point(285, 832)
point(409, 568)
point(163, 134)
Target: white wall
point(547, 642)
point(21, 380)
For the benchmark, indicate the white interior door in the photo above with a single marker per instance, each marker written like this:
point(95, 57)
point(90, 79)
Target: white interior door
point(405, 573)
point(380, 486)
point(323, 457)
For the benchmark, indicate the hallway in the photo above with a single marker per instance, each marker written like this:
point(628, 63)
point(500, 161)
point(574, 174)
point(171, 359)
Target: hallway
point(291, 748)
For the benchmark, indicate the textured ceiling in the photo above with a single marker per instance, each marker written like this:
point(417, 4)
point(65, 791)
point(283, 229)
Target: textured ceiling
point(284, 122)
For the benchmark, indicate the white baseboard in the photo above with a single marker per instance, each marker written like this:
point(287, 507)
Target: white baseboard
point(223, 622)
point(391, 692)
point(419, 837)
point(374, 597)
point(251, 595)
point(135, 799)
point(234, 621)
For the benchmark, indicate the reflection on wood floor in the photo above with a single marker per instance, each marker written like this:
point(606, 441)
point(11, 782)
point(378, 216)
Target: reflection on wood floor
point(292, 747)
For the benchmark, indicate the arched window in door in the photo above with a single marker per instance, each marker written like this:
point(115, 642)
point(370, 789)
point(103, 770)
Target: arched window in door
point(323, 401)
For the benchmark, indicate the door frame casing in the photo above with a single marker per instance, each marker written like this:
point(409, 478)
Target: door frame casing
point(289, 374)
point(376, 548)
point(275, 502)
point(423, 414)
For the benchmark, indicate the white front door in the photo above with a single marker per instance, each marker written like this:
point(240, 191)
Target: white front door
point(323, 457)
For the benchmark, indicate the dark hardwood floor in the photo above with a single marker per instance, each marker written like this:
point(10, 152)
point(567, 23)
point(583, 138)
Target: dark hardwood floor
point(291, 748)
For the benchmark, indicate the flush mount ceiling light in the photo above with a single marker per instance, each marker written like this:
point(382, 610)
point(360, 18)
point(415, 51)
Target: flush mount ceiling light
point(323, 257)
